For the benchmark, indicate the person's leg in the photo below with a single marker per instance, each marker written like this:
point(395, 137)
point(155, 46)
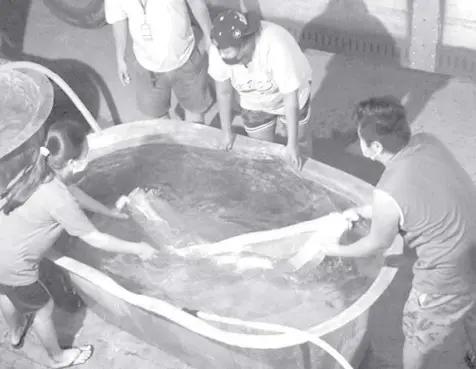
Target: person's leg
point(191, 86)
point(259, 125)
point(153, 92)
point(19, 305)
point(45, 329)
point(263, 133)
point(36, 301)
point(432, 326)
point(17, 322)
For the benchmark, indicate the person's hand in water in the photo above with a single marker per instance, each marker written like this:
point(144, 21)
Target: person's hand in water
point(351, 215)
point(145, 251)
point(228, 141)
point(293, 156)
point(118, 214)
point(331, 249)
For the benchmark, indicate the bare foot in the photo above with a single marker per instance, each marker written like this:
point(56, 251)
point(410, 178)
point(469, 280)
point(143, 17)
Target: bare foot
point(73, 356)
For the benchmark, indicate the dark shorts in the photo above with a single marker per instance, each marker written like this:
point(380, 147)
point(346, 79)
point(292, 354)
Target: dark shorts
point(439, 323)
point(254, 120)
point(27, 299)
point(189, 83)
point(257, 123)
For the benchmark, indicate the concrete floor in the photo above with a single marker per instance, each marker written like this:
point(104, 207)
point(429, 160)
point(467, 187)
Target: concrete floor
point(437, 104)
point(113, 347)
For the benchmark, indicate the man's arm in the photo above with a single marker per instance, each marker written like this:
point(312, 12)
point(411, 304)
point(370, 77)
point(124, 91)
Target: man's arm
point(221, 74)
point(202, 15)
point(117, 16)
point(385, 227)
point(291, 113)
point(224, 91)
point(119, 30)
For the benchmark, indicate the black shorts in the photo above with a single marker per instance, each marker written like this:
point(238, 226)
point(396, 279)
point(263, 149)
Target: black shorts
point(254, 120)
point(27, 299)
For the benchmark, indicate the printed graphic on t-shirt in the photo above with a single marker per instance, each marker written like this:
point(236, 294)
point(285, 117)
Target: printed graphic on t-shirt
point(259, 82)
point(258, 90)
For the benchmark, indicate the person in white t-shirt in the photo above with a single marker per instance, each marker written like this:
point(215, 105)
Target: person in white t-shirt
point(167, 57)
point(272, 76)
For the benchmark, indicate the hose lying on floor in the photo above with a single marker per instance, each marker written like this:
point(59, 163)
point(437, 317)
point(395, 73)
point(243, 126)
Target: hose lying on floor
point(301, 335)
point(269, 327)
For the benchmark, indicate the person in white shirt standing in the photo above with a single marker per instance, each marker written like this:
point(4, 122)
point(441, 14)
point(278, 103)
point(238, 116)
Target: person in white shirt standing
point(167, 56)
point(272, 76)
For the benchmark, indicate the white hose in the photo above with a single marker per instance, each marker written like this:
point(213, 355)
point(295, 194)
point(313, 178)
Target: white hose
point(186, 318)
point(61, 83)
point(302, 335)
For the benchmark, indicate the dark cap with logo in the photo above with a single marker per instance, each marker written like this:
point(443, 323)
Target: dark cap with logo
point(230, 28)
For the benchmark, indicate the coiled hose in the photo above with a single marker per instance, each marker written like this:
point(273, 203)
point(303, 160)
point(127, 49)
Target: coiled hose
point(302, 335)
point(19, 65)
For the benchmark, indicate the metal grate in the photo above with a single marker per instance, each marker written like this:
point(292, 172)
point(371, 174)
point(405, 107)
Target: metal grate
point(453, 61)
point(456, 61)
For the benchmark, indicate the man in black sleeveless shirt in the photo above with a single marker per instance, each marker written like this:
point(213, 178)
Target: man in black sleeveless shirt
point(426, 196)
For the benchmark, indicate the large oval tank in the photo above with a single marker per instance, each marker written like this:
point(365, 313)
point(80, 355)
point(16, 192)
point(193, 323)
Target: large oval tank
point(227, 200)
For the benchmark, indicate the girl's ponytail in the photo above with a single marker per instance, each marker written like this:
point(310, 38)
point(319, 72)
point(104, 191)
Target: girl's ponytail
point(65, 141)
point(26, 184)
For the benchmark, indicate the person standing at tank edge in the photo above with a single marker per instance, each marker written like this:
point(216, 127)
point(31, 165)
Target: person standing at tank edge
point(35, 207)
point(272, 76)
point(166, 53)
point(426, 196)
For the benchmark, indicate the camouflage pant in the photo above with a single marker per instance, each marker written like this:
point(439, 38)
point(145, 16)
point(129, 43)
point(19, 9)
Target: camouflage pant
point(438, 328)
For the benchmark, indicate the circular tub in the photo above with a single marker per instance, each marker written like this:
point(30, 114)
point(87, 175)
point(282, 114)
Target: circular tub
point(161, 323)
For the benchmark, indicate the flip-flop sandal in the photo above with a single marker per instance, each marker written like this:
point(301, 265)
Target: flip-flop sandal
point(29, 321)
point(85, 353)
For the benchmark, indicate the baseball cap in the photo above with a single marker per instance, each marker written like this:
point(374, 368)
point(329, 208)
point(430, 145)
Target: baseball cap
point(231, 27)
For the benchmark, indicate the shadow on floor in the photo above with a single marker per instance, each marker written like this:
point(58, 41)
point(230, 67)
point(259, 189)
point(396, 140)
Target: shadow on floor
point(13, 20)
point(345, 83)
point(332, 153)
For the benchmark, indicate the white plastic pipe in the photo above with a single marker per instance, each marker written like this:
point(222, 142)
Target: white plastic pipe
point(185, 318)
point(61, 83)
point(302, 335)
